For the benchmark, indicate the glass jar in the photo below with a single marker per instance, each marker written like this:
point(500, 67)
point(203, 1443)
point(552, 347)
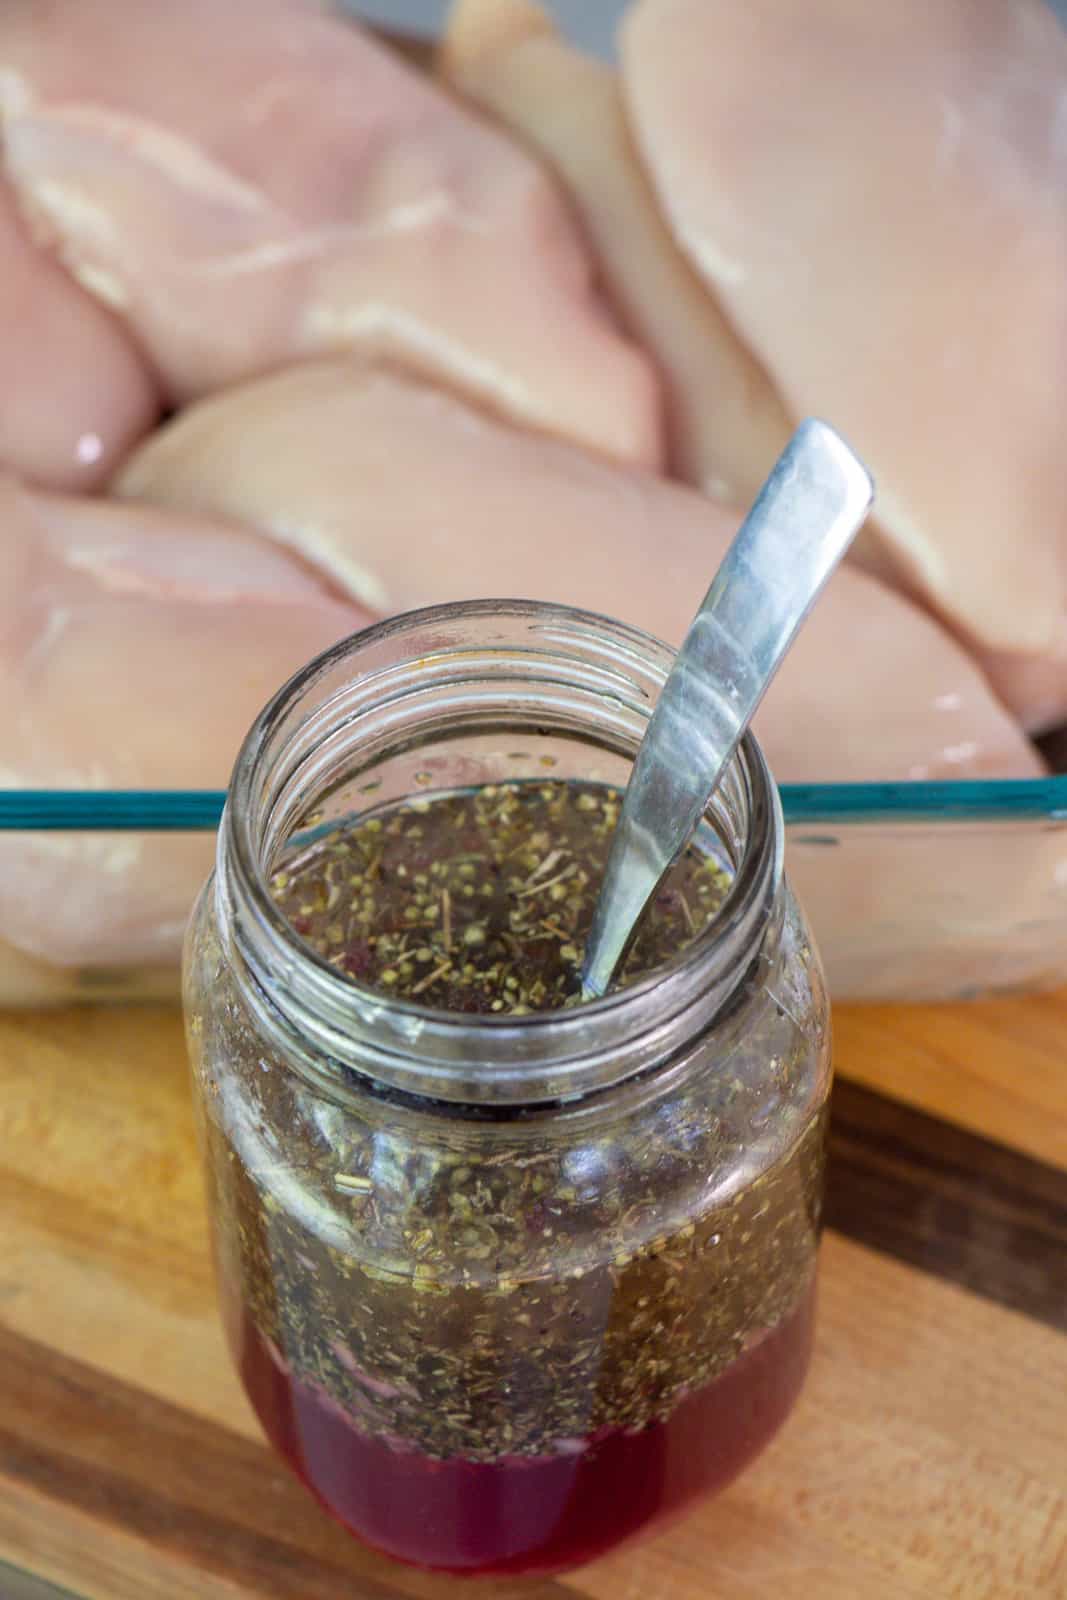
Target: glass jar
point(505, 1290)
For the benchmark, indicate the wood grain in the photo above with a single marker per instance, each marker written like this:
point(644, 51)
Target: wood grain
point(172, 1494)
point(898, 1476)
point(907, 1471)
point(927, 1457)
point(997, 1067)
point(958, 1205)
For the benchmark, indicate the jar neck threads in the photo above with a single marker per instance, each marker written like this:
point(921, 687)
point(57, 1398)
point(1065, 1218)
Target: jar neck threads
point(457, 696)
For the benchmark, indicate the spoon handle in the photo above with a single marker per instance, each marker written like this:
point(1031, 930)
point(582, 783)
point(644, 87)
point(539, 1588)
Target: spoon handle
point(805, 518)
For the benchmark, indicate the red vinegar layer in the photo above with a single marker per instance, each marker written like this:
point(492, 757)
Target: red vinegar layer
point(522, 1513)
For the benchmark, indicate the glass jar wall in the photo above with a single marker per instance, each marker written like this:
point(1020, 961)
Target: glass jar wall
point(504, 1290)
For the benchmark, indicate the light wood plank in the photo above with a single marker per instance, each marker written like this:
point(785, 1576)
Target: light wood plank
point(996, 1067)
point(928, 1455)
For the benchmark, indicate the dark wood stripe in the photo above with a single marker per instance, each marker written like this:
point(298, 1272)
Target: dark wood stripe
point(193, 1490)
point(948, 1201)
point(909, 1185)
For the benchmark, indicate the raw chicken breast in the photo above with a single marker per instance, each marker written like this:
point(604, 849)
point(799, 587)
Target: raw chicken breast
point(370, 477)
point(27, 982)
point(941, 912)
point(254, 181)
point(136, 648)
point(74, 394)
point(726, 423)
point(878, 194)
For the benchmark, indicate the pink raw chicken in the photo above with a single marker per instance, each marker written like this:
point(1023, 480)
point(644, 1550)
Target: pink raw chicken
point(936, 912)
point(74, 394)
point(136, 648)
point(370, 477)
point(726, 423)
point(254, 181)
point(878, 195)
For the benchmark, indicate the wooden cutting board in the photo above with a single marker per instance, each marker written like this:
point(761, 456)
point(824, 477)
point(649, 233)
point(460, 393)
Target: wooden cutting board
point(928, 1457)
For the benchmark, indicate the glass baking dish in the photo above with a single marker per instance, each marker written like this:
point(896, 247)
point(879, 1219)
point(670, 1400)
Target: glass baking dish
point(933, 891)
point(917, 891)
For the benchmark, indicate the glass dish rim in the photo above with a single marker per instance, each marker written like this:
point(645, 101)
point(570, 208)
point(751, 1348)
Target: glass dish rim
point(199, 810)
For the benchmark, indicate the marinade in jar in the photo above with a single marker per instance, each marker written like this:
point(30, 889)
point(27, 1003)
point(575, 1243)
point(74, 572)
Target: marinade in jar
point(479, 901)
point(485, 1346)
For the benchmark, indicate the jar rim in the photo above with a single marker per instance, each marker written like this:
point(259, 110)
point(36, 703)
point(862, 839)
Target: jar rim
point(328, 1007)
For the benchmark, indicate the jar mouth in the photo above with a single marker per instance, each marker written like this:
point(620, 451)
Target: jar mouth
point(366, 697)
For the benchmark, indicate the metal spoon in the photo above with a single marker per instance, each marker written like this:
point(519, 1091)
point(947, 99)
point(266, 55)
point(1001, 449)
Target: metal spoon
point(806, 516)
